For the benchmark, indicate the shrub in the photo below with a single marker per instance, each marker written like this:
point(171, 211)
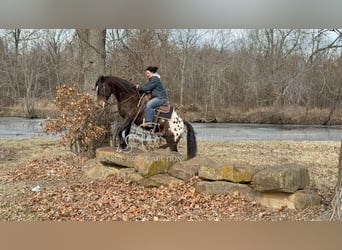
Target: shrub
point(79, 122)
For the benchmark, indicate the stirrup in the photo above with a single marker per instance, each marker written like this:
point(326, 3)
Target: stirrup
point(147, 125)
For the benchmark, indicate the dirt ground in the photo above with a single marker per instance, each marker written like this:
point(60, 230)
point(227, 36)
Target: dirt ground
point(65, 193)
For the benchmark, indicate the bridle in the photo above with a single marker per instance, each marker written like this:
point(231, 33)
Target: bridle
point(123, 101)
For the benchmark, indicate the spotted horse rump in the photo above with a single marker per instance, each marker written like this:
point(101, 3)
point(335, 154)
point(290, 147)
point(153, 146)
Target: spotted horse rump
point(176, 125)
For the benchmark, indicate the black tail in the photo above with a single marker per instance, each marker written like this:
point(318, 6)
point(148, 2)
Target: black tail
point(191, 143)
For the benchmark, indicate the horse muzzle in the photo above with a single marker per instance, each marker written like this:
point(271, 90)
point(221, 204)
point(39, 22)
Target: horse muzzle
point(101, 102)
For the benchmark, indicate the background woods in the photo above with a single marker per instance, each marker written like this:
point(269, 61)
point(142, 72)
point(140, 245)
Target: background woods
point(218, 71)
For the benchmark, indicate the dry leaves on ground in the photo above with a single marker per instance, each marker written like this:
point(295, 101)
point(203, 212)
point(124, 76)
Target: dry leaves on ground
point(67, 195)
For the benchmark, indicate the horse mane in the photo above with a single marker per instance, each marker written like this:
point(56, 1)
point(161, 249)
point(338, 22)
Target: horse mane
point(120, 83)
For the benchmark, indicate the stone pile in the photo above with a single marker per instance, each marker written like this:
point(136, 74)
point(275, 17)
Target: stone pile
point(275, 186)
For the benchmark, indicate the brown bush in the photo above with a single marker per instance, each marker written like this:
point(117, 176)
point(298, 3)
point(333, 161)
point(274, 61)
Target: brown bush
point(78, 120)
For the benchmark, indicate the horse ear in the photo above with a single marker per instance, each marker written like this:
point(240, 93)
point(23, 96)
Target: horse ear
point(99, 80)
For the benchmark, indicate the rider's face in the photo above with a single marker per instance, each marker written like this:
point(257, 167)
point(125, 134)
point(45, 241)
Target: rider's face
point(148, 73)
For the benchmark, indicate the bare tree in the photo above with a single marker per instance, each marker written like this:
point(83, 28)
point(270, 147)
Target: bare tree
point(246, 69)
point(186, 40)
point(336, 34)
point(33, 72)
point(16, 36)
point(93, 55)
point(336, 203)
point(54, 44)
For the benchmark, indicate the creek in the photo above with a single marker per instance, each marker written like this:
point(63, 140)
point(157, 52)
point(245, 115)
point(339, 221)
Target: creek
point(17, 128)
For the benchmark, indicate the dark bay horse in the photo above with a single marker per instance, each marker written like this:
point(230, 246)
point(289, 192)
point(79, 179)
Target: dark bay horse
point(128, 98)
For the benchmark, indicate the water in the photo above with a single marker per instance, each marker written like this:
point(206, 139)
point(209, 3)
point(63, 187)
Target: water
point(16, 128)
point(264, 132)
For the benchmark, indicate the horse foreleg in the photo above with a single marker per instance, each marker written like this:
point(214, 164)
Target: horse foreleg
point(113, 140)
point(127, 130)
point(125, 126)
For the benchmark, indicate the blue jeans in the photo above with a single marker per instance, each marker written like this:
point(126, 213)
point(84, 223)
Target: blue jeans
point(154, 102)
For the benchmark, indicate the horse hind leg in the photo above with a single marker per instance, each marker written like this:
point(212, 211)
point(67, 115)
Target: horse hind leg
point(170, 143)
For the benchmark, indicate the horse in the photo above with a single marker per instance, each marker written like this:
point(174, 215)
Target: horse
point(130, 111)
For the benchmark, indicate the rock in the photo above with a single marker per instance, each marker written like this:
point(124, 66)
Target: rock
point(224, 187)
point(159, 180)
point(305, 198)
point(110, 156)
point(130, 175)
point(156, 162)
point(299, 200)
point(286, 179)
point(185, 170)
point(95, 170)
point(226, 172)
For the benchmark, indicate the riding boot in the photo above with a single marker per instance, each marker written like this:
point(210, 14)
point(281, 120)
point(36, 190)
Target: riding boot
point(147, 126)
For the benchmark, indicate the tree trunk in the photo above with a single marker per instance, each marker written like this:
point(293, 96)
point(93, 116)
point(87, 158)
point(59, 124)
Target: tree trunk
point(182, 81)
point(16, 35)
point(336, 203)
point(333, 107)
point(93, 55)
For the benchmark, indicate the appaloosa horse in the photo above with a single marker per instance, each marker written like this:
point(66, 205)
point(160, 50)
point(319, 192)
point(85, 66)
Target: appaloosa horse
point(129, 105)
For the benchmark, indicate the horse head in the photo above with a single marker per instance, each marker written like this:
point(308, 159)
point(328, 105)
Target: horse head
point(103, 91)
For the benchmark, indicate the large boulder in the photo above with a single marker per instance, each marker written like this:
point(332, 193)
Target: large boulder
point(286, 179)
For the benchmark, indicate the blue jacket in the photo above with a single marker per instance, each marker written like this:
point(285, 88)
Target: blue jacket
point(154, 85)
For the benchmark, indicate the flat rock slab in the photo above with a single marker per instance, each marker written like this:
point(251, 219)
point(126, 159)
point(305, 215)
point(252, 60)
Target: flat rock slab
point(96, 170)
point(299, 200)
point(185, 170)
point(226, 172)
point(286, 179)
point(159, 180)
point(225, 187)
point(110, 156)
point(156, 162)
point(145, 163)
point(130, 175)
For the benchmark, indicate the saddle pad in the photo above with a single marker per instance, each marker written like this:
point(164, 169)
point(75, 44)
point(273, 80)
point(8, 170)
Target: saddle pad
point(163, 114)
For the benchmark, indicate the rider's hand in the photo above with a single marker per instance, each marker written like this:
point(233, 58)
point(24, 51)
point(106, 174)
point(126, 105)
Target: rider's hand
point(136, 85)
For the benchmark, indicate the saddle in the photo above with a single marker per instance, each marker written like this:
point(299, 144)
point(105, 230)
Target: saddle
point(164, 111)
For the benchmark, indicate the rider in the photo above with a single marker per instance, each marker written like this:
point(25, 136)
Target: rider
point(159, 95)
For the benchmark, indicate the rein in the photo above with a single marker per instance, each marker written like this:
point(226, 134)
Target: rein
point(141, 99)
point(127, 99)
point(140, 106)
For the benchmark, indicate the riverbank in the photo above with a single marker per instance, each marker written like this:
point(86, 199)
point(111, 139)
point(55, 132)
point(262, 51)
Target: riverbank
point(268, 115)
point(262, 115)
point(66, 194)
